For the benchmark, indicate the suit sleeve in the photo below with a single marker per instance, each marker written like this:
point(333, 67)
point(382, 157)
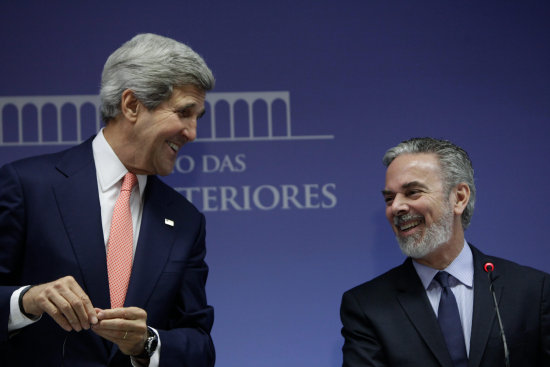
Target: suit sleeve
point(11, 241)
point(361, 346)
point(188, 341)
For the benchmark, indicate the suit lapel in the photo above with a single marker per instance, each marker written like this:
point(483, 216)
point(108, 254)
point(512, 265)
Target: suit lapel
point(78, 204)
point(154, 244)
point(414, 301)
point(484, 309)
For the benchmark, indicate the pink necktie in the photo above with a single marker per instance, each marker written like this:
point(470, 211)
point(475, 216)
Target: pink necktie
point(121, 243)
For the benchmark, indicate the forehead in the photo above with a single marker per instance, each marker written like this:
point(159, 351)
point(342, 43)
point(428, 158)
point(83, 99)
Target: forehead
point(188, 95)
point(419, 167)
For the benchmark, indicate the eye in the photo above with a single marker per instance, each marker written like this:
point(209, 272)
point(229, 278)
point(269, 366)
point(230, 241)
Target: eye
point(388, 200)
point(413, 193)
point(184, 113)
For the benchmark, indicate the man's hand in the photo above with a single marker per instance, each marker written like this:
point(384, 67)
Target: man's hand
point(126, 327)
point(64, 300)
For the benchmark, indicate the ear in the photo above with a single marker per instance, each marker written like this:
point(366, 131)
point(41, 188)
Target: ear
point(461, 196)
point(129, 105)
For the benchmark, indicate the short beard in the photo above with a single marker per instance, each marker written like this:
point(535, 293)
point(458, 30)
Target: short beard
point(436, 234)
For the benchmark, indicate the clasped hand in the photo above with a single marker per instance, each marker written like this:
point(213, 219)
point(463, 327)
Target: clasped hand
point(71, 308)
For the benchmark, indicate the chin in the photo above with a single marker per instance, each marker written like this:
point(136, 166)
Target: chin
point(164, 171)
point(415, 246)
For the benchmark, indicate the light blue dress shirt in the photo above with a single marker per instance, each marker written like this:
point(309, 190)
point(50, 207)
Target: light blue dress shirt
point(462, 286)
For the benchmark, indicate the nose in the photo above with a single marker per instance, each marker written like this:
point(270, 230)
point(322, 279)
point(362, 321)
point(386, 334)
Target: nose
point(190, 134)
point(190, 131)
point(399, 205)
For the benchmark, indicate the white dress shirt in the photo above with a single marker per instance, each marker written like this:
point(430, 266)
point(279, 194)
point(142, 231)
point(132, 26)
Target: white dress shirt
point(110, 171)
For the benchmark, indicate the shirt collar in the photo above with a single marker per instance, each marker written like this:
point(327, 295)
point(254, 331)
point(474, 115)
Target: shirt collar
point(109, 168)
point(462, 268)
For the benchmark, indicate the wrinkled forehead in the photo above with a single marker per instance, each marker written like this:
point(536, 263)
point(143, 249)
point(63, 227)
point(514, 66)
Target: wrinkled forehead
point(187, 97)
point(417, 167)
point(189, 91)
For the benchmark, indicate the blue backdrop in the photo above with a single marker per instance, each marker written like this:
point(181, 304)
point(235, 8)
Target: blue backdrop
point(290, 181)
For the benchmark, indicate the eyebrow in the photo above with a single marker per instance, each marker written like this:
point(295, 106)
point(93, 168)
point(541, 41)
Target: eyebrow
point(408, 185)
point(191, 105)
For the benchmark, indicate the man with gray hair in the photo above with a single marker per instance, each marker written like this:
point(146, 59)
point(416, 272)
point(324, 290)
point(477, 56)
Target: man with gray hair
point(437, 308)
point(102, 264)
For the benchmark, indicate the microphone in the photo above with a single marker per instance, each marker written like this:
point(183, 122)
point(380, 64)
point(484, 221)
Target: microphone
point(489, 268)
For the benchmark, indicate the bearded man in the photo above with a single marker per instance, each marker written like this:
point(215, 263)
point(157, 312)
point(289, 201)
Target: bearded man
point(436, 309)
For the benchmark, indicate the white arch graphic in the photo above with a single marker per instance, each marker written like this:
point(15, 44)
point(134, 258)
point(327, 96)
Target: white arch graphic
point(79, 101)
point(39, 102)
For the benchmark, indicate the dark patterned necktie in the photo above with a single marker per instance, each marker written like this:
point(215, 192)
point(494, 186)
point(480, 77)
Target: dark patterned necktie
point(449, 322)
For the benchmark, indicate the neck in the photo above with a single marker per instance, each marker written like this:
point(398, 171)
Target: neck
point(115, 135)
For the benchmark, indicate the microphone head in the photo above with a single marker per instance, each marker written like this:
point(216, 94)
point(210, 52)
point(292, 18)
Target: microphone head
point(489, 267)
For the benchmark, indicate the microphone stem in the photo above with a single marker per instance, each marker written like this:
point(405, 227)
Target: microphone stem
point(501, 327)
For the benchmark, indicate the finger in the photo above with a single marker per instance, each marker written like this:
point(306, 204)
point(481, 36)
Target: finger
point(112, 313)
point(114, 335)
point(65, 301)
point(129, 342)
point(51, 309)
point(69, 297)
point(65, 308)
point(43, 298)
point(114, 324)
point(117, 328)
point(72, 304)
point(83, 307)
point(81, 303)
point(77, 305)
point(127, 313)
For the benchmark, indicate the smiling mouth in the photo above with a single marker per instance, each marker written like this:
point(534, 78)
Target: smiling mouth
point(173, 146)
point(406, 223)
point(409, 225)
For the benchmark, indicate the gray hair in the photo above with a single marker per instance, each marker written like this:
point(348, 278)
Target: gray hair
point(151, 66)
point(456, 166)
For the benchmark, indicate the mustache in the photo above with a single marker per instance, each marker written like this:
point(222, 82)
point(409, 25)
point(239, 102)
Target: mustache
point(405, 218)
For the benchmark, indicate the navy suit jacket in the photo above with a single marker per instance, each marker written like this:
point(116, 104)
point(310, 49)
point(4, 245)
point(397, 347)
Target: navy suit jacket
point(389, 321)
point(50, 227)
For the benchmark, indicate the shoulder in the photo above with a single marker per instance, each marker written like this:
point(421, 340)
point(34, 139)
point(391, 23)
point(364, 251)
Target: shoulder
point(524, 279)
point(385, 285)
point(505, 267)
point(34, 162)
point(42, 165)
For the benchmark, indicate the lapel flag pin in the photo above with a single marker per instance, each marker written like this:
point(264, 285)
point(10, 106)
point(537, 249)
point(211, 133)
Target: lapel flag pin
point(169, 222)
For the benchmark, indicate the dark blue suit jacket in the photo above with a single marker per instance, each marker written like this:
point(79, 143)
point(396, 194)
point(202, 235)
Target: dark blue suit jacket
point(50, 227)
point(389, 321)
